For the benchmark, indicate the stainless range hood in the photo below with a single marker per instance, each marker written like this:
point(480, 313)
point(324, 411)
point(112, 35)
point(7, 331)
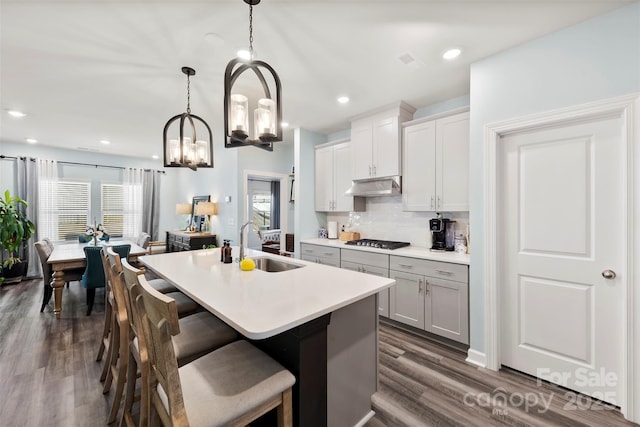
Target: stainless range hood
point(375, 187)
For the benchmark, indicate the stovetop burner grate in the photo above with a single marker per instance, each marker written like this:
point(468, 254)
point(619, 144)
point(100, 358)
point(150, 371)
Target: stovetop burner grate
point(380, 244)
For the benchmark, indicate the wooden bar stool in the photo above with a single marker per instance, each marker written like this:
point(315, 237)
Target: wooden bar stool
point(200, 334)
point(233, 385)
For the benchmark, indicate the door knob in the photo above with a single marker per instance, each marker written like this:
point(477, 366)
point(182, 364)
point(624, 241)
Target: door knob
point(609, 274)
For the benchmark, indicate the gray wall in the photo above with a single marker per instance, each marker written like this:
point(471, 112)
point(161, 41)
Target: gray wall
point(594, 60)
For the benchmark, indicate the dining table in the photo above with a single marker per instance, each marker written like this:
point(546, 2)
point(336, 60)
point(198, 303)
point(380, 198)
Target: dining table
point(71, 256)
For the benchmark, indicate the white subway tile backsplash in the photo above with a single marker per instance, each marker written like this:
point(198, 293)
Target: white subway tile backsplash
point(384, 219)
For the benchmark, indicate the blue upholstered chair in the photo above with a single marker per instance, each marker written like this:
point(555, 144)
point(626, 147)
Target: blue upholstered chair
point(93, 276)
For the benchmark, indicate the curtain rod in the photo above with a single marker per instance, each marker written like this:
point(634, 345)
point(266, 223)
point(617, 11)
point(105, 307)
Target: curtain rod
point(2, 156)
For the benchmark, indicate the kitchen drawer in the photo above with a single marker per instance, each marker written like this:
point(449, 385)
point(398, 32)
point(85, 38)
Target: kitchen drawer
point(320, 252)
point(363, 257)
point(369, 269)
point(443, 270)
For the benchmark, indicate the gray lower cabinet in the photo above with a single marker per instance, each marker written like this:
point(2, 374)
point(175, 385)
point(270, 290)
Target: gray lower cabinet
point(430, 295)
point(370, 263)
point(320, 254)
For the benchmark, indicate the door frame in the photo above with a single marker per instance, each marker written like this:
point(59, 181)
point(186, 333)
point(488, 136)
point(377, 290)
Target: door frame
point(627, 107)
point(284, 196)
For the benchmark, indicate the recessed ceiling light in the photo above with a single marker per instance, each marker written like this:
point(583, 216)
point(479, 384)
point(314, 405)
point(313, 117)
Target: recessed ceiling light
point(244, 54)
point(343, 99)
point(16, 113)
point(452, 53)
point(155, 156)
point(284, 124)
point(105, 141)
point(31, 140)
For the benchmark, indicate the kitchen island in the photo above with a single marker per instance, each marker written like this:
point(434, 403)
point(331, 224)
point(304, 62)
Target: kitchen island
point(320, 322)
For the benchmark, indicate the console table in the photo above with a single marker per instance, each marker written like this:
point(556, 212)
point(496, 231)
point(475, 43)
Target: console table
point(186, 241)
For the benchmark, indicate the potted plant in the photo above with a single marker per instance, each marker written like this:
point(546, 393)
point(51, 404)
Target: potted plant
point(15, 228)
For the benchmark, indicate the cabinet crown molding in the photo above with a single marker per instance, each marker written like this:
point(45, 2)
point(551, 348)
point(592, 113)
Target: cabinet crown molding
point(397, 108)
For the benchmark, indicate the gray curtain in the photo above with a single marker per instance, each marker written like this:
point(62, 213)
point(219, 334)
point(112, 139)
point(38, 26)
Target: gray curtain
point(27, 182)
point(275, 205)
point(151, 202)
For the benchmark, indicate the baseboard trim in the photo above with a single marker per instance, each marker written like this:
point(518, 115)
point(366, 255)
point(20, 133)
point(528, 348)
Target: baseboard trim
point(365, 419)
point(477, 358)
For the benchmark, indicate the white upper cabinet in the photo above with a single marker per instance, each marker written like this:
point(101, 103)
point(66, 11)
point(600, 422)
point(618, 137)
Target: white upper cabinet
point(436, 165)
point(333, 179)
point(375, 140)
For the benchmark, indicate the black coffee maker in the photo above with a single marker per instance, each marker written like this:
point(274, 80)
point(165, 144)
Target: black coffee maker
point(442, 233)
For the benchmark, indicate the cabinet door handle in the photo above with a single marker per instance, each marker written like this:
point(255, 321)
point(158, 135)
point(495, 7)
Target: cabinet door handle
point(444, 272)
point(438, 204)
point(405, 265)
point(431, 202)
point(369, 170)
point(374, 170)
point(426, 283)
point(419, 286)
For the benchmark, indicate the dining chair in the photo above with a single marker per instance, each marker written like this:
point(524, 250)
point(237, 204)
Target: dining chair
point(200, 334)
point(143, 240)
point(44, 250)
point(94, 274)
point(232, 385)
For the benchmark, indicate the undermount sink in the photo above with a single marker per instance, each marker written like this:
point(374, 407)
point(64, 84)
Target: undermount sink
point(271, 265)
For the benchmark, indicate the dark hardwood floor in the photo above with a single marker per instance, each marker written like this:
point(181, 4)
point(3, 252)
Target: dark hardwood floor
point(424, 383)
point(49, 376)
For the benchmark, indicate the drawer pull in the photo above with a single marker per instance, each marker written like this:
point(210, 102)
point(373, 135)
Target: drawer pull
point(328, 254)
point(405, 265)
point(445, 272)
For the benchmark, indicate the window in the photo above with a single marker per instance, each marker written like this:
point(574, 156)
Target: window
point(68, 210)
point(113, 209)
point(262, 210)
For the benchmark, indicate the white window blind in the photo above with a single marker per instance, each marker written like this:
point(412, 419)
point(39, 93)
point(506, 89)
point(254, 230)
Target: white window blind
point(70, 209)
point(113, 208)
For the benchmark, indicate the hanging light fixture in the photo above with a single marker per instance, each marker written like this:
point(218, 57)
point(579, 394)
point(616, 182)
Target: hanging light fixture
point(187, 151)
point(267, 116)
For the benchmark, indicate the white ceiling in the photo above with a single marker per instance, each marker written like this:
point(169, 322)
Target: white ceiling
point(90, 70)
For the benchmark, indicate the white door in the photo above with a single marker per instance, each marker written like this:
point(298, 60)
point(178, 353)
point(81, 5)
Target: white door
point(562, 238)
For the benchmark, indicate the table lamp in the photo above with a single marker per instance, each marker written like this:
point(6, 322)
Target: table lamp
point(206, 209)
point(184, 209)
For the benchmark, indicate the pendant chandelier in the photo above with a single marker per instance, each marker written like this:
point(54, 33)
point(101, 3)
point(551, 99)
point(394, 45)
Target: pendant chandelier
point(187, 151)
point(267, 117)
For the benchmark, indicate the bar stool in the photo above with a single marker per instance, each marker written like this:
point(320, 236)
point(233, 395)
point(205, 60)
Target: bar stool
point(233, 385)
point(200, 334)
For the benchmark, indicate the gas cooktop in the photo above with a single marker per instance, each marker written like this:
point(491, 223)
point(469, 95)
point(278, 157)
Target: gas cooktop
point(380, 244)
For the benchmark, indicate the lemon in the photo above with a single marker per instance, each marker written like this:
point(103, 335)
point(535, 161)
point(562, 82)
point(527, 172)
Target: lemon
point(247, 264)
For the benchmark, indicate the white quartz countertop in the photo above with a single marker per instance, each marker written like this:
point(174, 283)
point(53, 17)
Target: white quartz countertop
point(408, 251)
point(259, 304)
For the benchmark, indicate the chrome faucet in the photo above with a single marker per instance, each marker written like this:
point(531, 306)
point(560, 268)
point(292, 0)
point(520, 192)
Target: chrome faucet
point(241, 257)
